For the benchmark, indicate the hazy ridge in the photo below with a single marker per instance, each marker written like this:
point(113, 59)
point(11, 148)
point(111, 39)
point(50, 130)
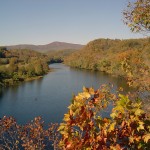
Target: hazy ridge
point(47, 47)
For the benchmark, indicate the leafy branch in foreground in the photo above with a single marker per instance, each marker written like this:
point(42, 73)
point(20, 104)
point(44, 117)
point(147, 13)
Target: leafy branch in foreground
point(29, 137)
point(83, 128)
point(137, 16)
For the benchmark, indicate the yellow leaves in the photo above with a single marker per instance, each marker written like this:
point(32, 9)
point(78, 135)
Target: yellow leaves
point(146, 138)
point(85, 89)
point(112, 127)
point(124, 100)
point(62, 126)
point(83, 123)
point(137, 105)
point(63, 129)
point(82, 96)
point(138, 112)
point(121, 106)
point(88, 148)
point(129, 74)
point(17, 142)
point(89, 90)
point(66, 117)
point(141, 126)
point(131, 139)
point(119, 109)
point(71, 112)
point(116, 147)
point(113, 115)
point(135, 138)
point(86, 94)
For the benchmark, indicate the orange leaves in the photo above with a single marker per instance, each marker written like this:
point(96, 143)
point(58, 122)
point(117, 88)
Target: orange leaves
point(9, 131)
point(146, 138)
point(29, 137)
point(84, 128)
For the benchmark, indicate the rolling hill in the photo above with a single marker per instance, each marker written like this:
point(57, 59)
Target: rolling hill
point(48, 47)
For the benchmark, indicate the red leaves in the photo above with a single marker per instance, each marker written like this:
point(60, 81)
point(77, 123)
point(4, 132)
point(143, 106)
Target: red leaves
point(90, 131)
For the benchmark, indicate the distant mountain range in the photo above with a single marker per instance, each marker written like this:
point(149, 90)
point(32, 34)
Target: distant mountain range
point(48, 47)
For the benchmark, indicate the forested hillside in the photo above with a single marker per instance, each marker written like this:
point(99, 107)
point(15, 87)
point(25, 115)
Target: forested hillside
point(20, 65)
point(59, 55)
point(125, 58)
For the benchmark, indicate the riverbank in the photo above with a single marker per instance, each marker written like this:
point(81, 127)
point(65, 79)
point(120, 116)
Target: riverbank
point(21, 65)
point(11, 82)
point(129, 59)
point(142, 85)
point(33, 78)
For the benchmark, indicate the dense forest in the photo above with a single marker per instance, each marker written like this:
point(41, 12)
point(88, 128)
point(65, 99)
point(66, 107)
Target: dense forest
point(21, 65)
point(58, 56)
point(124, 58)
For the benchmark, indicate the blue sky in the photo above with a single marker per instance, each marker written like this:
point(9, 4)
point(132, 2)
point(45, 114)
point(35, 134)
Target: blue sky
point(72, 21)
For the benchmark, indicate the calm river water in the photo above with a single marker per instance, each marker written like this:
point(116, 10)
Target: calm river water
point(50, 96)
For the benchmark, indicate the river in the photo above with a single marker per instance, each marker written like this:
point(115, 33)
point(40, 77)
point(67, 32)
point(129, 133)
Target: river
point(50, 96)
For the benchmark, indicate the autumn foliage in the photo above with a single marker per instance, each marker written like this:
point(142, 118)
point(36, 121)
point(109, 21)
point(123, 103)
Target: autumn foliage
point(31, 136)
point(96, 120)
point(127, 127)
point(129, 59)
point(137, 16)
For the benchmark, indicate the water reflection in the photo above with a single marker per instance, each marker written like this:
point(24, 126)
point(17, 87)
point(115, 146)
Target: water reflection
point(1, 94)
point(50, 96)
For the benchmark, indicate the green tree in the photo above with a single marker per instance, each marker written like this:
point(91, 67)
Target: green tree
point(30, 69)
point(21, 70)
point(45, 67)
point(13, 61)
point(39, 68)
point(12, 68)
